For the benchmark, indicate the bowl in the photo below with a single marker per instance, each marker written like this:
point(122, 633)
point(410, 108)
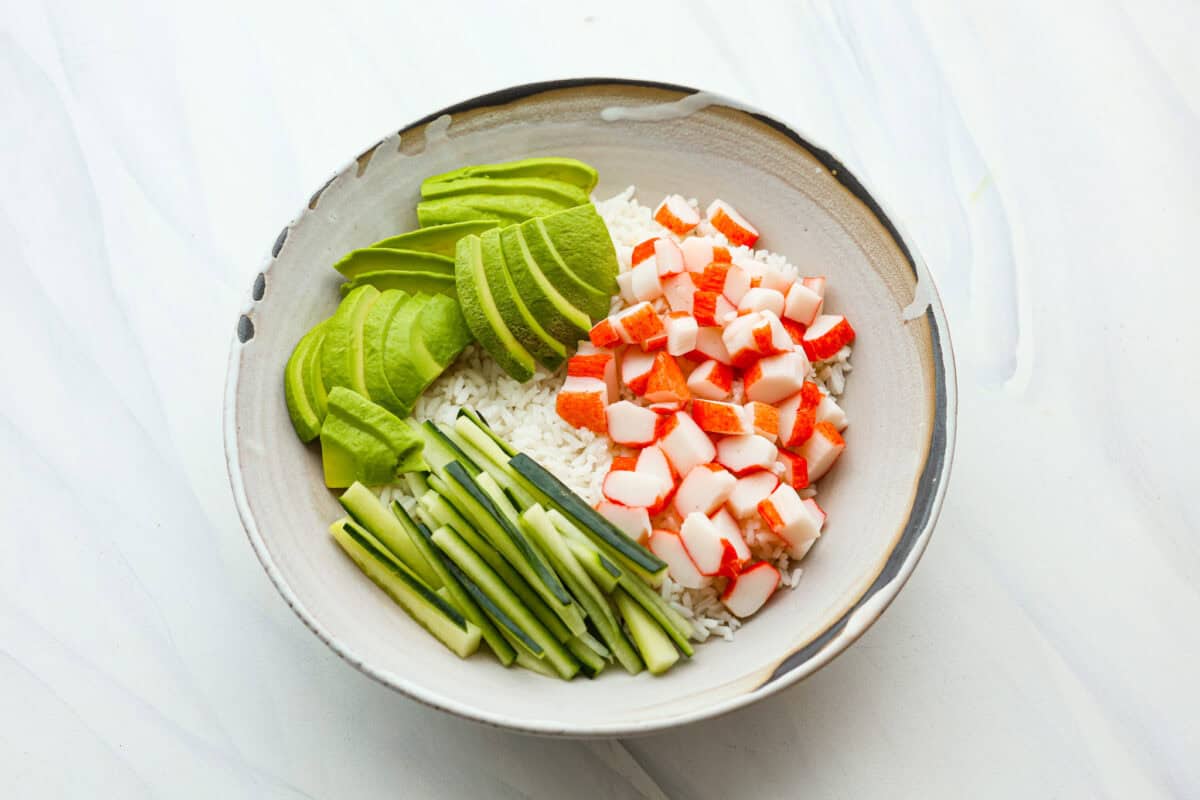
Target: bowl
point(882, 500)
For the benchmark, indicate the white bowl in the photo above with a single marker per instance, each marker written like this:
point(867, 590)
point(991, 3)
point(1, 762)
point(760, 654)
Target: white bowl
point(883, 498)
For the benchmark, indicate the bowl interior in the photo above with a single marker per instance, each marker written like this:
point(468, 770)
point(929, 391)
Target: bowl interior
point(803, 211)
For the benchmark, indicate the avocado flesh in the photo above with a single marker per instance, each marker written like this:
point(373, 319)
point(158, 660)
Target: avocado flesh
point(567, 170)
point(541, 345)
point(441, 331)
point(411, 282)
point(583, 243)
point(341, 352)
point(302, 402)
point(409, 370)
point(556, 191)
point(375, 330)
point(555, 313)
point(592, 301)
point(379, 259)
point(362, 441)
point(481, 314)
point(438, 239)
point(508, 209)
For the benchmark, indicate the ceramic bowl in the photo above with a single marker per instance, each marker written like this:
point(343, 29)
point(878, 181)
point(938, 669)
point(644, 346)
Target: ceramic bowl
point(882, 499)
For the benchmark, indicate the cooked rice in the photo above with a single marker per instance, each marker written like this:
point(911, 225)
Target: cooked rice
point(524, 414)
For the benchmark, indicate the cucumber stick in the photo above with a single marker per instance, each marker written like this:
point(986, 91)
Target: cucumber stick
point(412, 594)
point(459, 595)
point(654, 645)
point(478, 571)
point(443, 512)
point(590, 662)
point(676, 626)
point(602, 571)
point(481, 423)
point(417, 483)
point(503, 474)
point(367, 510)
point(440, 450)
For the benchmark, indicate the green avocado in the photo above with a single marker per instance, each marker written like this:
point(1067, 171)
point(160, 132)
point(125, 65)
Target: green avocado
point(375, 330)
point(564, 194)
point(525, 329)
point(555, 313)
point(582, 242)
point(592, 301)
point(481, 314)
point(508, 209)
point(438, 239)
point(362, 441)
point(306, 406)
point(379, 259)
point(567, 170)
point(411, 282)
point(441, 331)
point(409, 369)
point(341, 352)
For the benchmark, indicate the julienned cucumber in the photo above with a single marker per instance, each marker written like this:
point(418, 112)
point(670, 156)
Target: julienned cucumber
point(599, 568)
point(482, 424)
point(366, 509)
point(440, 450)
point(437, 616)
point(597, 527)
point(660, 655)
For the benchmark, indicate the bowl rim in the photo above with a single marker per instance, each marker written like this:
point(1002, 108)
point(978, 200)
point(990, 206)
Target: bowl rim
point(838, 635)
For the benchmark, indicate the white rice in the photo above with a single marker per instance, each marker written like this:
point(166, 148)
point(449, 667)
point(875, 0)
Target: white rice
point(524, 415)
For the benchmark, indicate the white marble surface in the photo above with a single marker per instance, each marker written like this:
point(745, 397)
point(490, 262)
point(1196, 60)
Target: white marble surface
point(1044, 155)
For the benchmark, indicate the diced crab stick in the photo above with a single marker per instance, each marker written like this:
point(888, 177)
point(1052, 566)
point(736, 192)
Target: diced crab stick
point(676, 215)
point(728, 221)
point(630, 424)
point(751, 589)
point(816, 283)
point(721, 418)
point(751, 490)
point(681, 333)
point(789, 519)
point(623, 463)
point(793, 469)
point(780, 279)
point(760, 299)
point(829, 411)
point(726, 279)
point(763, 419)
point(795, 330)
point(652, 461)
point(745, 454)
point(822, 449)
point(711, 309)
point(731, 532)
point(669, 258)
point(635, 370)
point(604, 334)
point(773, 378)
point(712, 380)
point(633, 522)
point(669, 547)
point(703, 542)
point(666, 383)
point(816, 511)
point(625, 285)
point(684, 444)
point(709, 345)
point(700, 251)
point(704, 489)
point(646, 283)
point(642, 251)
point(581, 403)
point(802, 304)
point(638, 323)
point(633, 489)
point(664, 408)
point(828, 334)
point(798, 415)
point(655, 342)
point(752, 336)
point(679, 291)
point(595, 362)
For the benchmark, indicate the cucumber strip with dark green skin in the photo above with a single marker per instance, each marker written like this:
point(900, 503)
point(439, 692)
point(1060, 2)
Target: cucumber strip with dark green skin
point(441, 450)
point(460, 595)
point(595, 645)
point(590, 664)
point(487, 580)
point(667, 618)
point(654, 645)
point(477, 418)
point(603, 572)
point(421, 603)
point(511, 630)
point(534, 665)
point(482, 449)
point(367, 510)
point(599, 529)
point(440, 504)
point(417, 484)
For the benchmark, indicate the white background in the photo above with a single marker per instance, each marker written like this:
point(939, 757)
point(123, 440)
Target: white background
point(1043, 154)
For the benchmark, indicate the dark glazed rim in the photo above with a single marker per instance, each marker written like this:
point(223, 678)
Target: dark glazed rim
point(906, 551)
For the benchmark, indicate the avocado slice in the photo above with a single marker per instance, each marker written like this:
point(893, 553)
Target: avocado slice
point(375, 330)
point(583, 244)
point(567, 170)
point(341, 352)
point(411, 282)
point(378, 259)
point(592, 301)
point(481, 314)
point(409, 369)
point(441, 331)
point(555, 313)
point(304, 406)
point(362, 441)
point(562, 193)
point(437, 239)
point(525, 329)
point(508, 209)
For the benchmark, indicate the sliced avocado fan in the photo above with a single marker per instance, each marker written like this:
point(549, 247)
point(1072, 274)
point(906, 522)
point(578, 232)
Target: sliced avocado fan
point(362, 441)
point(406, 281)
point(341, 352)
point(567, 170)
point(555, 313)
point(437, 239)
point(302, 387)
point(516, 315)
point(379, 259)
point(580, 239)
point(482, 316)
